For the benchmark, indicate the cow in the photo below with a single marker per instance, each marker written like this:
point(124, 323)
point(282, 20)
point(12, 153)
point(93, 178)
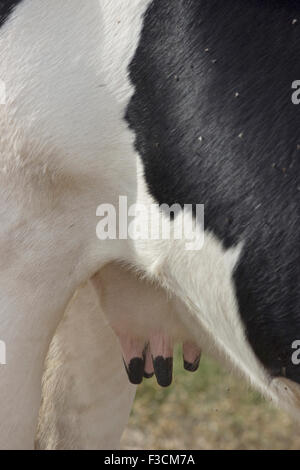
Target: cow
point(180, 103)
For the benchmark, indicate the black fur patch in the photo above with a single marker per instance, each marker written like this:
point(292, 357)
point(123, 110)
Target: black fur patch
point(6, 7)
point(215, 124)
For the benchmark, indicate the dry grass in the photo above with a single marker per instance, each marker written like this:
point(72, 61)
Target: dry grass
point(207, 410)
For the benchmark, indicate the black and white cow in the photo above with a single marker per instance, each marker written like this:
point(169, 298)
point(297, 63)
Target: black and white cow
point(182, 102)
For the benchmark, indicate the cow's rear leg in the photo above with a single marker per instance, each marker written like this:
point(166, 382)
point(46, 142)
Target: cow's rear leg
point(38, 276)
point(145, 320)
point(86, 394)
point(29, 314)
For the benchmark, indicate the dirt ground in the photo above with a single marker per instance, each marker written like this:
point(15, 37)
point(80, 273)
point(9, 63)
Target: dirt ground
point(207, 410)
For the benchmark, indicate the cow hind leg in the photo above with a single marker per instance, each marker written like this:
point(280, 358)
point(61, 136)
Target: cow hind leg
point(86, 398)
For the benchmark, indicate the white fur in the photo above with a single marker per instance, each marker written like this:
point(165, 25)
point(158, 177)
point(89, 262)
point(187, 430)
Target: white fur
point(87, 397)
point(64, 149)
